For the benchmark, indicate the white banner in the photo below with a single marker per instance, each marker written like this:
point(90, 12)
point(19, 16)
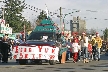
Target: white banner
point(38, 52)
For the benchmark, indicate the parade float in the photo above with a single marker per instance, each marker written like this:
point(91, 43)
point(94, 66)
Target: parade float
point(44, 43)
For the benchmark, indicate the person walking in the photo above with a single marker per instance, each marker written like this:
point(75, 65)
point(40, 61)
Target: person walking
point(79, 52)
point(90, 51)
point(68, 51)
point(0, 48)
point(75, 48)
point(93, 42)
point(99, 45)
point(5, 49)
point(84, 47)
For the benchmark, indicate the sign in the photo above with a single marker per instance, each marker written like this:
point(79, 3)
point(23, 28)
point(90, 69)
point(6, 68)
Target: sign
point(38, 52)
point(7, 30)
point(2, 21)
point(4, 28)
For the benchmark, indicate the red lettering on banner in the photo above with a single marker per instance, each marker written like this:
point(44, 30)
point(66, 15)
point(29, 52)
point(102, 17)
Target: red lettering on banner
point(53, 50)
point(40, 55)
point(25, 49)
point(52, 57)
point(26, 56)
point(33, 56)
point(20, 49)
point(15, 56)
point(40, 48)
point(46, 50)
point(30, 50)
point(16, 51)
point(21, 55)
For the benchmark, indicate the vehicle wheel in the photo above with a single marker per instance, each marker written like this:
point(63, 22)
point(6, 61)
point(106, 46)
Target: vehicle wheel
point(22, 61)
point(52, 62)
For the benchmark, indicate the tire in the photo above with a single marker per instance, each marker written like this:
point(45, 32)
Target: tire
point(52, 62)
point(22, 61)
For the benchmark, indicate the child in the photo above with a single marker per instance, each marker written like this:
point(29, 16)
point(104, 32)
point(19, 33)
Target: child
point(75, 49)
point(90, 51)
point(79, 52)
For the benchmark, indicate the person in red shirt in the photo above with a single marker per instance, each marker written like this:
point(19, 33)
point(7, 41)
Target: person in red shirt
point(90, 51)
point(75, 49)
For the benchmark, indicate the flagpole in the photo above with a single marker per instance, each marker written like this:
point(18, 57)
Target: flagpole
point(46, 10)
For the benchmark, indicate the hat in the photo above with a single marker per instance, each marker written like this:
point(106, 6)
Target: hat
point(97, 33)
point(84, 33)
point(74, 33)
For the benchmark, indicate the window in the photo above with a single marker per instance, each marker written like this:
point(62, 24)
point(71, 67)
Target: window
point(39, 35)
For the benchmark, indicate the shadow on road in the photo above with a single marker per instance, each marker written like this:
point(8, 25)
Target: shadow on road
point(104, 57)
point(66, 68)
point(88, 69)
point(14, 63)
point(9, 63)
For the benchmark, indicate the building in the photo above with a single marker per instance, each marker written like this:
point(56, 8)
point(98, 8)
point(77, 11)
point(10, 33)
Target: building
point(77, 25)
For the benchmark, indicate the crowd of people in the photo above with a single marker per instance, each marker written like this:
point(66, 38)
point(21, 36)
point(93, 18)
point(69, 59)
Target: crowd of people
point(6, 45)
point(86, 48)
point(81, 47)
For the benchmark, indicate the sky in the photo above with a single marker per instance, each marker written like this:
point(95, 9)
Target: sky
point(98, 6)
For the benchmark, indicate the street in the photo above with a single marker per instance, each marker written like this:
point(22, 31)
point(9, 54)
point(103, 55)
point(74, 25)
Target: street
point(69, 66)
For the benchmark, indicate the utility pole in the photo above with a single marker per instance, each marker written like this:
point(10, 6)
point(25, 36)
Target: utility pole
point(60, 19)
point(24, 33)
point(63, 25)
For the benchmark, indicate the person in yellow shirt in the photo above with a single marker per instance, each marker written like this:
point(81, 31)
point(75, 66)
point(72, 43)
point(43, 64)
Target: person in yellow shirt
point(93, 42)
point(99, 45)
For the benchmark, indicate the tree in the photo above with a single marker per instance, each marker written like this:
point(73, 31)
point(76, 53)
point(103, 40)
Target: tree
point(13, 14)
point(105, 32)
point(40, 17)
point(92, 31)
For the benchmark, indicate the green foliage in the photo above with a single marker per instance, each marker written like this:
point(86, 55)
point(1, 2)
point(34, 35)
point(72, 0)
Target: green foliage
point(13, 14)
point(105, 32)
point(40, 17)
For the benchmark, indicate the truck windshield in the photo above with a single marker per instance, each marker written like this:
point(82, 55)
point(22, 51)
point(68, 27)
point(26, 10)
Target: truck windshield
point(39, 35)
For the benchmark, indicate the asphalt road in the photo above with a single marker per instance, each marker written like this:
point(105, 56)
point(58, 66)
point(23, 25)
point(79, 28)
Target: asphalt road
point(69, 66)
